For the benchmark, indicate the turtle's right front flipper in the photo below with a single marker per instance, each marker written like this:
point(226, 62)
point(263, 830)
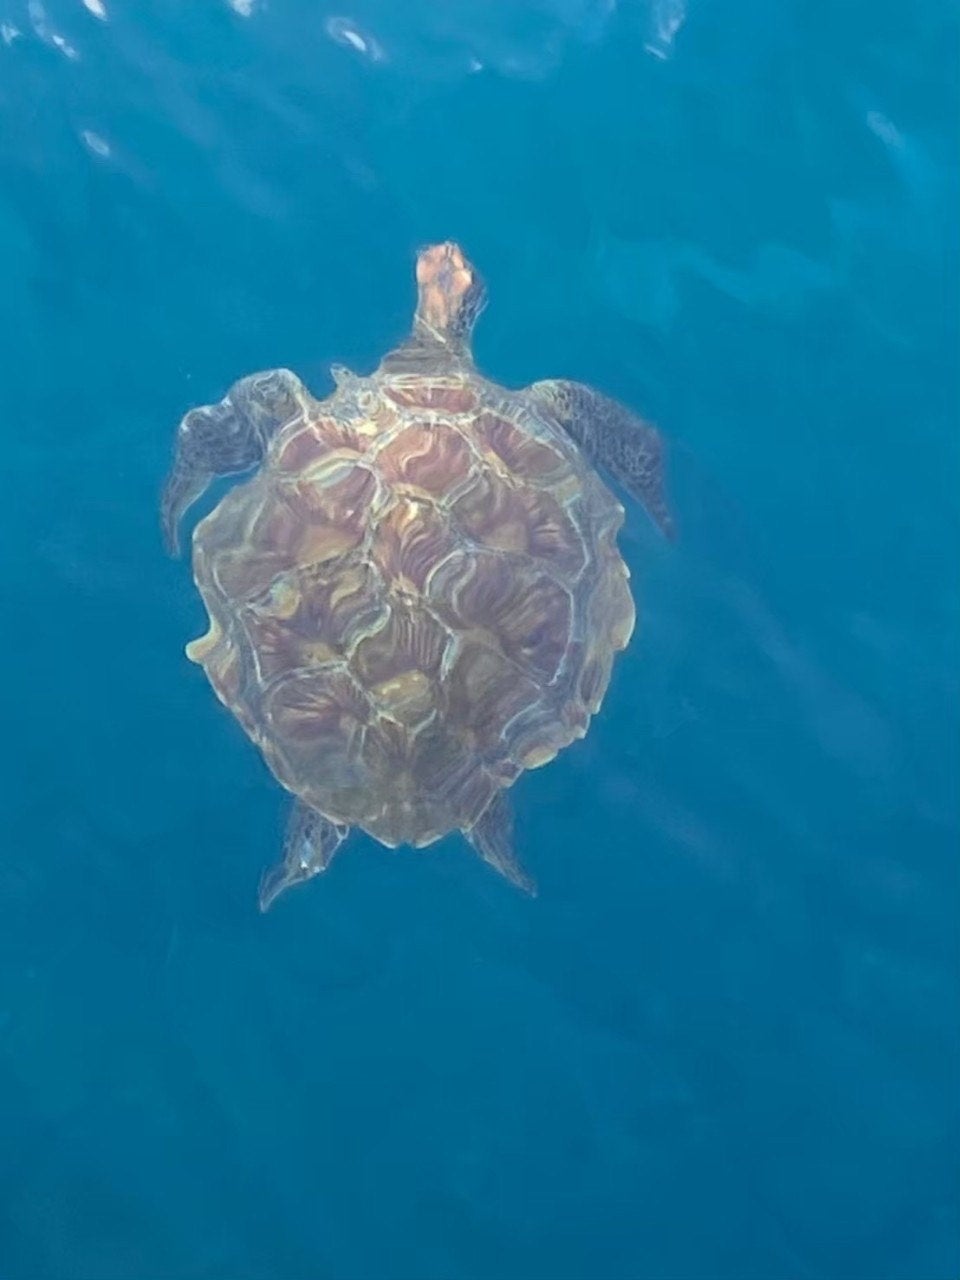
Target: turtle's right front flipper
point(614, 438)
point(226, 438)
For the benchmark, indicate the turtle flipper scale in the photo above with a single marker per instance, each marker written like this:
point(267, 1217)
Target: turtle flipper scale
point(310, 842)
point(226, 438)
point(612, 437)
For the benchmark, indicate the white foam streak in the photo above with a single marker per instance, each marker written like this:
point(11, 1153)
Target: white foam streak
point(46, 33)
point(666, 19)
point(343, 31)
point(93, 142)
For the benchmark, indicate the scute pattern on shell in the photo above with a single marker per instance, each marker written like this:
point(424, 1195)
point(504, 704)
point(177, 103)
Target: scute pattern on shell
point(418, 596)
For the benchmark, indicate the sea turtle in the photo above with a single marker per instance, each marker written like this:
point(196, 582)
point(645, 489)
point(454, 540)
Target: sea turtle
point(418, 593)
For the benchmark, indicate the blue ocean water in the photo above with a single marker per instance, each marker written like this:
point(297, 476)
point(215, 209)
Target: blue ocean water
point(723, 1042)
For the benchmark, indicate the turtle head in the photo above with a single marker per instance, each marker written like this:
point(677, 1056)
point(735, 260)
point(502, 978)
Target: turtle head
point(450, 296)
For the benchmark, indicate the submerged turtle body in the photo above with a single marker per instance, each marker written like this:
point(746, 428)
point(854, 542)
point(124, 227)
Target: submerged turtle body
point(418, 594)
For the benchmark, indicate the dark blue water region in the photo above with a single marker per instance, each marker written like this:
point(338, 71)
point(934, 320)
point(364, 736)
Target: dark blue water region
point(722, 1044)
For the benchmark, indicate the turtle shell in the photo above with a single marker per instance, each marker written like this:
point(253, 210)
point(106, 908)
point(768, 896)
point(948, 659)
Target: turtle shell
point(417, 596)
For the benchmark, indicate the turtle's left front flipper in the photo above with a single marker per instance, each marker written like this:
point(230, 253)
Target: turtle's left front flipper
point(613, 438)
point(226, 438)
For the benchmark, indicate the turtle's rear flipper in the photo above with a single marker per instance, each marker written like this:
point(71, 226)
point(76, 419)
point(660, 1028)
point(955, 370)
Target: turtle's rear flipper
point(492, 837)
point(226, 438)
point(308, 848)
point(613, 438)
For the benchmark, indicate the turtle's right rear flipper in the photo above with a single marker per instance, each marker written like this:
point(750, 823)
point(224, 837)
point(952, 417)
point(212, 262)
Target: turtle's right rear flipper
point(492, 837)
point(226, 438)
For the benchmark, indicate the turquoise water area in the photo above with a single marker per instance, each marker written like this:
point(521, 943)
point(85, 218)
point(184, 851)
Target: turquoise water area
point(722, 1044)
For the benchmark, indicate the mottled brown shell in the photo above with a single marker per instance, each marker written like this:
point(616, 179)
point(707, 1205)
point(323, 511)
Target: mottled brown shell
point(418, 596)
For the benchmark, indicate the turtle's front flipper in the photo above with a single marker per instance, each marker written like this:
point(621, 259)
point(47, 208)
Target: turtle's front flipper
point(492, 837)
point(614, 438)
point(308, 848)
point(226, 438)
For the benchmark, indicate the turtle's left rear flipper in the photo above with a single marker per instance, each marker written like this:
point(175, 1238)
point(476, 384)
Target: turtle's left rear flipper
point(308, 848)
point(226, 438)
